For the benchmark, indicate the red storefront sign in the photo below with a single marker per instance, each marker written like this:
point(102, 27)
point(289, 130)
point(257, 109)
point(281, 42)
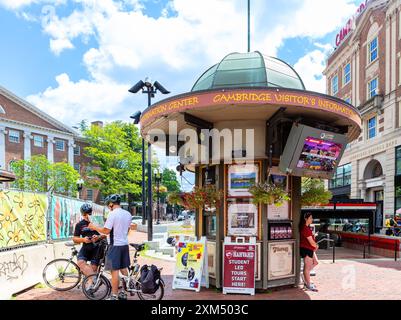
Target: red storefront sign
point(239, 268)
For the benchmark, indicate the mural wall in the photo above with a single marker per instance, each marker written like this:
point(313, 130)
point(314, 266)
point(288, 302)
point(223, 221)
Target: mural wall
point(22, 218)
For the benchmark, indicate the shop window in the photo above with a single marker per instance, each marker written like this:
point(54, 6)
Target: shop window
point(334, 85)
point(60, 145)
point(397, 192)
point(38, 141)
point(372, 88)
point(372, 128)
point(373, 50)
point(14, 136)
point(347, 74)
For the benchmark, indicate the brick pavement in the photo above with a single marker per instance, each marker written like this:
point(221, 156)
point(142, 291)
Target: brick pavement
point(344, 280)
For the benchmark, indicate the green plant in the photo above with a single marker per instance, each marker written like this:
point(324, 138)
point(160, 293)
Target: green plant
point(198, 197)
point(314, 193)
point(269, 193)
point(398, 192)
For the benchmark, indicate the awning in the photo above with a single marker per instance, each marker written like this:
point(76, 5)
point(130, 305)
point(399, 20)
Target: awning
point(6, 176)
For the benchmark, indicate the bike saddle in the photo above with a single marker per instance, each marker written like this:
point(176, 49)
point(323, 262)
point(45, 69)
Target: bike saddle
point(138, 247)
point(70, 244)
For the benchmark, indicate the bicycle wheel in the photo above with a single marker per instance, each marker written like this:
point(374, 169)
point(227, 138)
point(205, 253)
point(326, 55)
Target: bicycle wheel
point(62, 274)
point(158, 295)
point(96, 287)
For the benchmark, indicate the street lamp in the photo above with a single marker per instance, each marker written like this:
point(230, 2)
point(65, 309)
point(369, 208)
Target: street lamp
point(80, 184)
point(150, 88)
point(158, 179)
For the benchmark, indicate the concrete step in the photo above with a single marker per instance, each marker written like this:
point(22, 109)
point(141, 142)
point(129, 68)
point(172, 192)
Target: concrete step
point(158, 255)
point(168, 251)
point(154, 245)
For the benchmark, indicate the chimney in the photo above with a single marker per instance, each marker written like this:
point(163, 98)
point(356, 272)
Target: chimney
point(97, 124)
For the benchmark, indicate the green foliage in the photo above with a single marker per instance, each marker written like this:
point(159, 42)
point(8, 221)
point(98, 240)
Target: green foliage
point(116, 160)
point(39, 175)
point(314, 192)
point(199, 197)
point(269, 193)
point(398, 192)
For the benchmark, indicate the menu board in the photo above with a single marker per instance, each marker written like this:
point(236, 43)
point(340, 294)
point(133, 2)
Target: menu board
point(281, 260)
point(239, 268)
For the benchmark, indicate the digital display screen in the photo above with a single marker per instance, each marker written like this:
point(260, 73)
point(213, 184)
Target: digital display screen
point(319, 155)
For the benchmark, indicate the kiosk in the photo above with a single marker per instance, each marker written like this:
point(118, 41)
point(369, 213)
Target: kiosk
point(272, 129)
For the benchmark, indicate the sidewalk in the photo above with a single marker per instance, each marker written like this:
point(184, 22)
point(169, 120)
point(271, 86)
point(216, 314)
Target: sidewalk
point(345, 280)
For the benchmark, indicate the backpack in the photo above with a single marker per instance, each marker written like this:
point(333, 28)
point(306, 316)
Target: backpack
point(149, 279)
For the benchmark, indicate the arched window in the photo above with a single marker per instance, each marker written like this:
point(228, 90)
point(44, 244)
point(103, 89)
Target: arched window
point(377, 170)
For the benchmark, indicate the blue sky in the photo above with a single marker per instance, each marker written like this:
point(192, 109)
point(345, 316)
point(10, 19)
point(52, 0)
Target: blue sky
point(76, 59)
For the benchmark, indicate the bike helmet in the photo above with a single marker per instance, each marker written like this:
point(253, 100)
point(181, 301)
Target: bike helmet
point(86, 208)
point(114, 198)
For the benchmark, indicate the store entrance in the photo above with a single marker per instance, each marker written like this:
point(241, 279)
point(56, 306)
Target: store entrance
point(379, 200)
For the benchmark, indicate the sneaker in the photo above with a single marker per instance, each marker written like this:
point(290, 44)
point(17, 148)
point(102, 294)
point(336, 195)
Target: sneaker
point(122, 296)
point(313, 273)
point(112, 297)
point(311, 287)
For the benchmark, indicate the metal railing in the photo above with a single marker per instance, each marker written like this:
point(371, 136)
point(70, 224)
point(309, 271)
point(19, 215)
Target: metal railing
point(334, 245)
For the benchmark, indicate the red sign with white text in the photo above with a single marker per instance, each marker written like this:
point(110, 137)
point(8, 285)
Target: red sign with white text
point(239, 268)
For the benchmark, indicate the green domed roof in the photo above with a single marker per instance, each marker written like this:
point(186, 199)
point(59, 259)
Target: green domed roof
point(250, 69)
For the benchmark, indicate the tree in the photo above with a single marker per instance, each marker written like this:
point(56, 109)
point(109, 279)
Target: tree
point(39, 175)
point(116, 159)
point(170, 181)
point(314, 192)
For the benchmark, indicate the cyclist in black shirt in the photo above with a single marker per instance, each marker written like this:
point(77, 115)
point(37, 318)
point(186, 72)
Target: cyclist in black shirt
point(88, 238)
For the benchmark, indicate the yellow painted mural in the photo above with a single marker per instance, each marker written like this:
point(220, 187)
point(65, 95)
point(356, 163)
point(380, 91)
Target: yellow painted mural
point(22, 218)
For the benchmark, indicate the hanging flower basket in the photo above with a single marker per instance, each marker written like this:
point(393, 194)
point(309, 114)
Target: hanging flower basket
point(314, 193)
point(269, 193)
point(198, 198)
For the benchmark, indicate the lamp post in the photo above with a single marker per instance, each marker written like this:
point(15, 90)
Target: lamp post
point(158, 179)
point(80, 184)
point(150, 88)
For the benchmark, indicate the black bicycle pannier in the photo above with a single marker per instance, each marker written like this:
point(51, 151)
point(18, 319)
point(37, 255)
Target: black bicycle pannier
point(150, 277)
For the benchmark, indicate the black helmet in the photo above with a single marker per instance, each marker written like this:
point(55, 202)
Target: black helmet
point(86, 208)
point(114, 198)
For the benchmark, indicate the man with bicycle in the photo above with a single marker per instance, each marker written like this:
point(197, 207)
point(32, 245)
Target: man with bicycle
point(117, 227)
point(89, 240)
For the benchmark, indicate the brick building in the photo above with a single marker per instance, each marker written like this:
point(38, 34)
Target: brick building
point(26, 131)
point(365, 70)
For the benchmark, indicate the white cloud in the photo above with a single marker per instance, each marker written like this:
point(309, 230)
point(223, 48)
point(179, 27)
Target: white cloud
point(18, 4)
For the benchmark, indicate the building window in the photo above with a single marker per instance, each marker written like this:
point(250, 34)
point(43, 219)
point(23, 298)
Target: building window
point(372, 128)
point(334, 85)
point(347, 74)
point(13, 136)
point(60, 145)
point(89, 195)
point(38, 141)
point(77, 167)
point(398, 179)
point(342, 177)
point(77, 151)
point(373, 50)
point(372, 88)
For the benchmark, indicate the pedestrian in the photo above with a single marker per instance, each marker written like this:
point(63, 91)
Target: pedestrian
point(117, 226)
point(89, 240)
point(308, 248)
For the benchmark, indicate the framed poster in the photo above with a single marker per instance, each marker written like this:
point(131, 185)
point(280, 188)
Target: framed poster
point(278, 212)
point(241, 178)
point(242, 219)
point(281, 262)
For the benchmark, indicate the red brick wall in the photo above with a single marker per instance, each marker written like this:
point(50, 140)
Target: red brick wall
point(18, 113)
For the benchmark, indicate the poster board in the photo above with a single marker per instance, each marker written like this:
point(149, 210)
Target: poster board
point(279, 212)
point(243, 219)
point(241, 178)
point(239, 266)
point(191, 269)
point(281, 260)
point(211, 259)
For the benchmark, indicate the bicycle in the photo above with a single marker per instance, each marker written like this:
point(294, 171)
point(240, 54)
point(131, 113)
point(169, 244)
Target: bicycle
point(63, 274)
point(130, 283)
